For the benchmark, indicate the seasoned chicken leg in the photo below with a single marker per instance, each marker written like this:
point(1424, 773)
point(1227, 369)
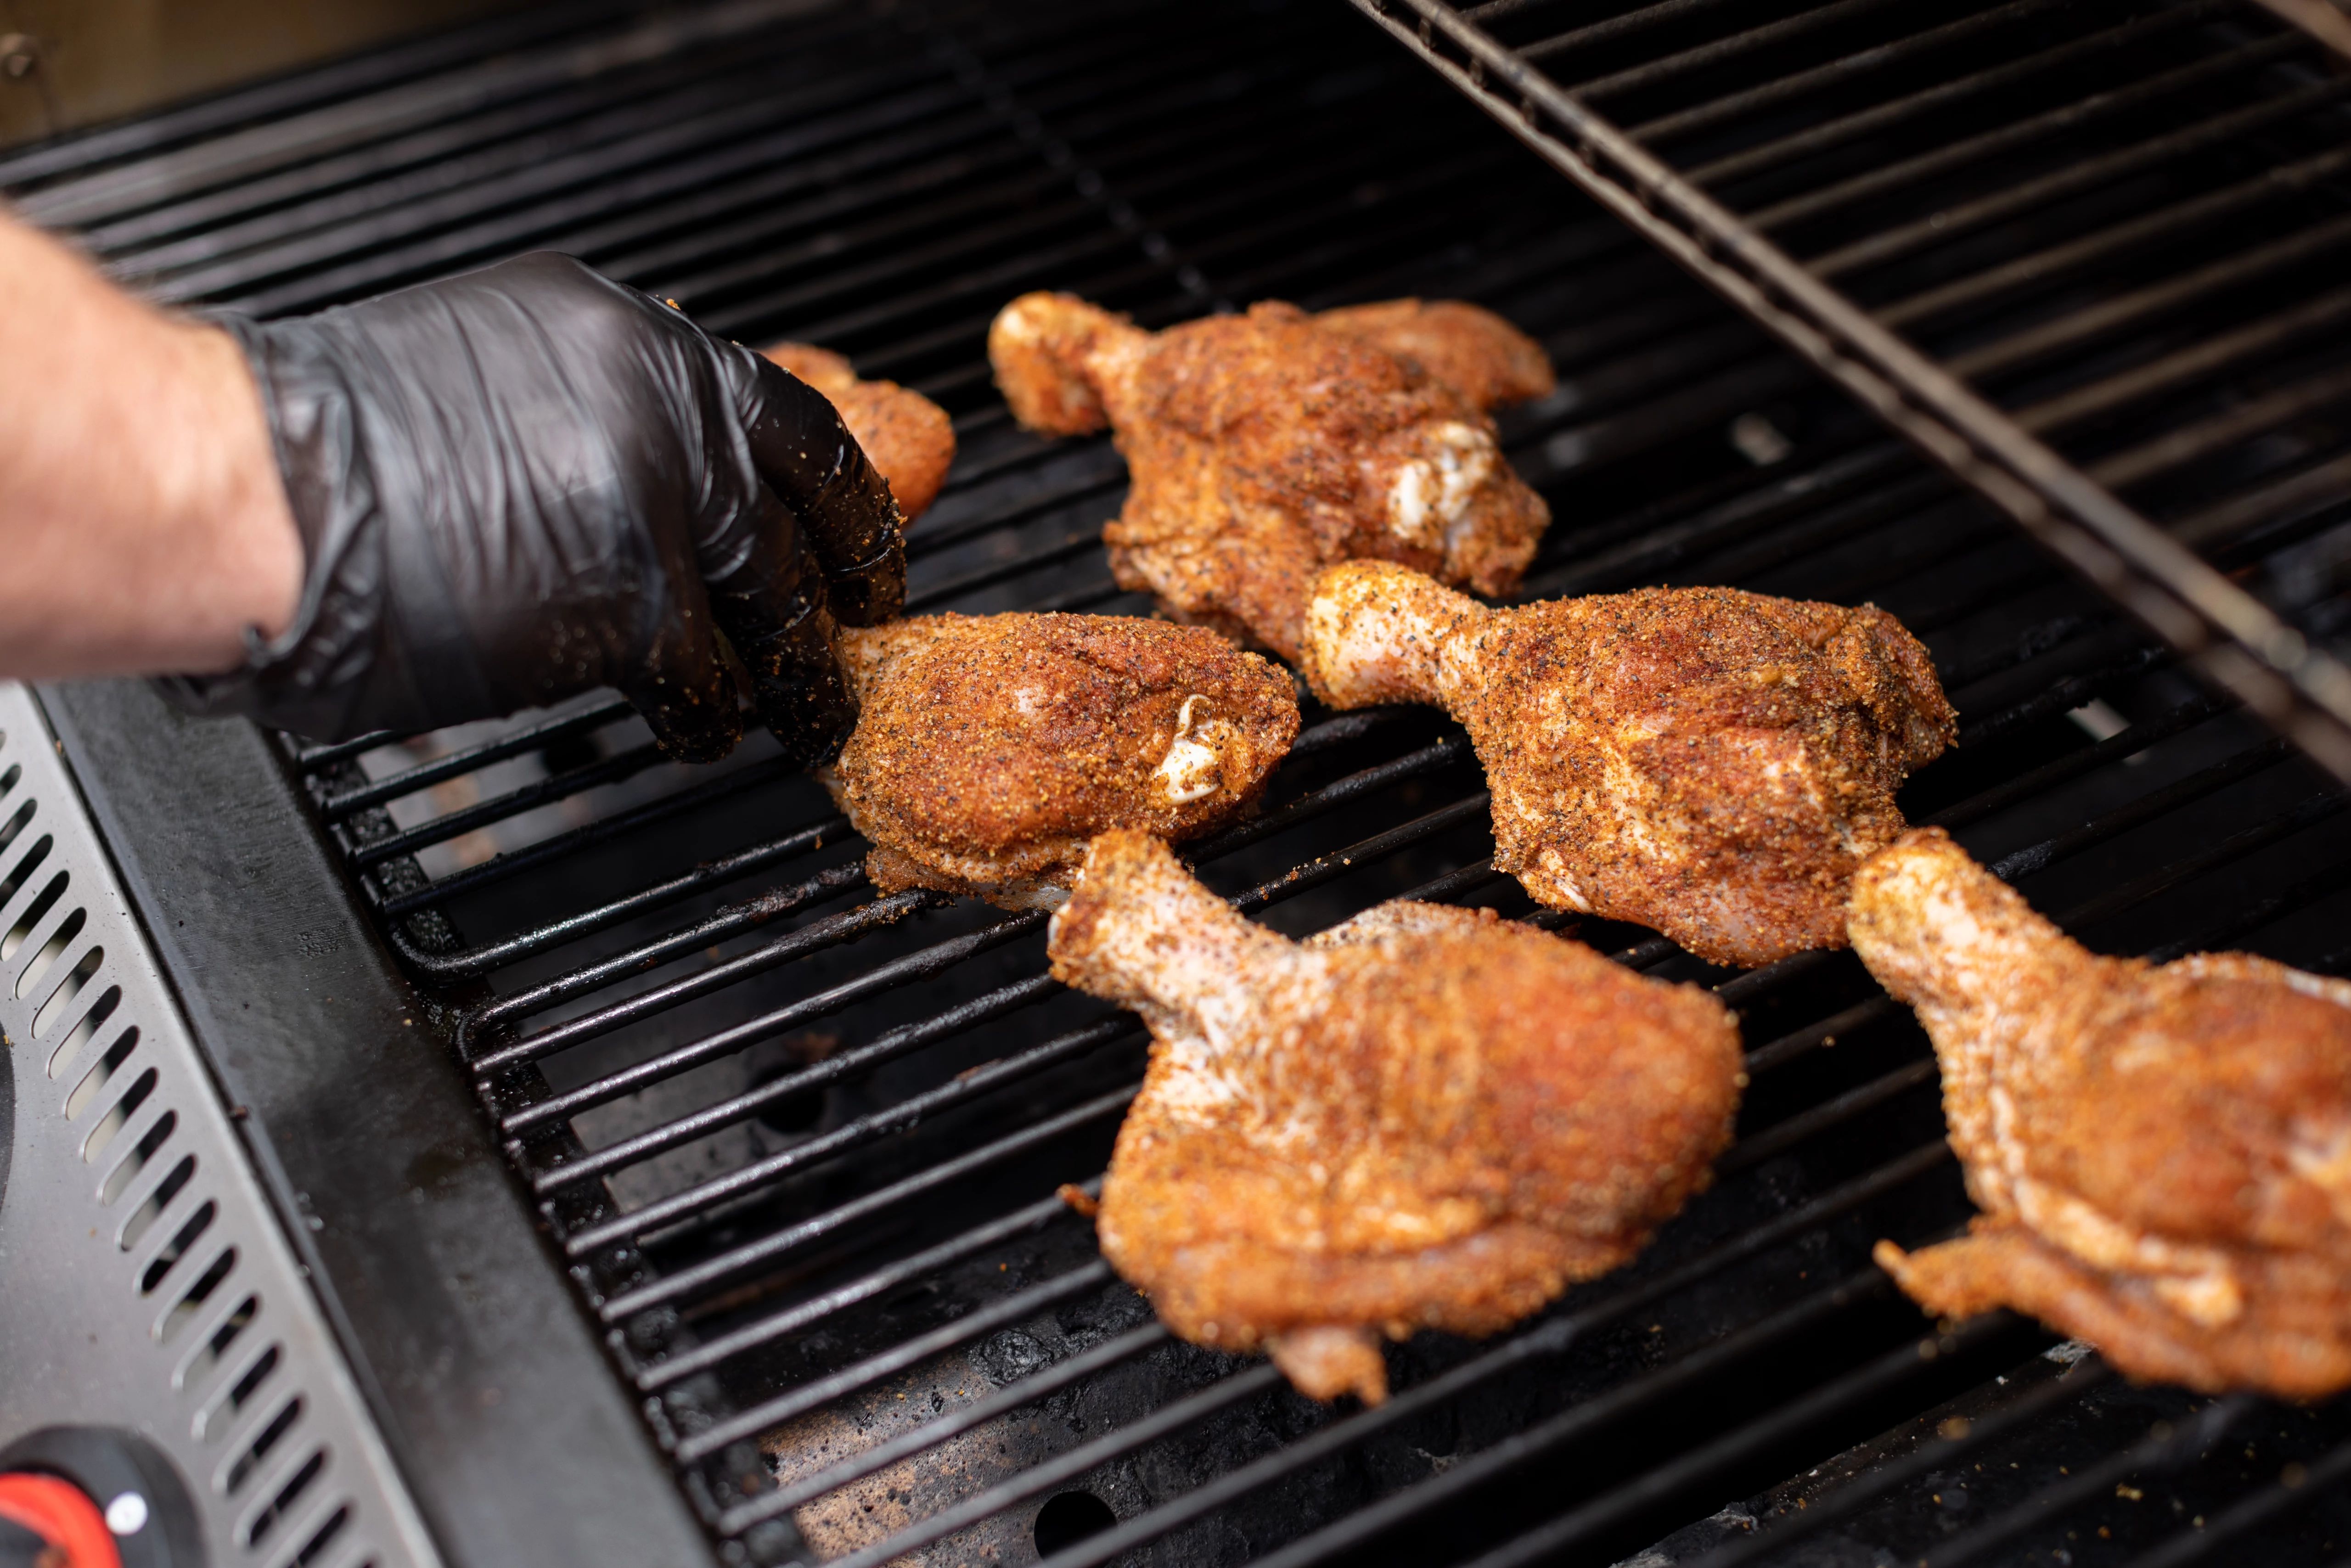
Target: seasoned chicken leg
point(2162, 1154)
point(990, 749)
point(1267, 445)
point(1427, 1118)
point(1709, 763)
point(908, 438)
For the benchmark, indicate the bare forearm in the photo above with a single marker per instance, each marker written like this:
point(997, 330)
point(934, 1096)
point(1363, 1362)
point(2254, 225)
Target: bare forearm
point(143, 526)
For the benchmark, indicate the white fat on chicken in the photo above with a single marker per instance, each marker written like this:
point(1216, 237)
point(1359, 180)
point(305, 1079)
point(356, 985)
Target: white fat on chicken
point(1429, 497)
point(1195, 764)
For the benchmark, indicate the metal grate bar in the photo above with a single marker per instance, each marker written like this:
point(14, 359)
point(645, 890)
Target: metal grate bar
point(1778, 1139)
point(2325, 482)
point(697, 1201)
point(2137, 308)
point(736, 1260)
point(2162, 1450)
point(2045, 267)
point(978, 1238)
point(514, 802)
point(2169, 371)
point(1845, 130)
point(1732, 106)
point(2014, 134)
point(1722, 51)
point(727, 922)
point(726, 1113)
point(603, 830)
point(1001, 1314)
point(2236, 638)
point(2180, 447)
point(847, 926)
point(1746, 1443)
point(1247, 1384)
point(2088, 173)
point(2314, 1482)
point(980, 1080)
point(1355, 1531)
point(1941, 1452)
point(1553, 1336)
point(1637, 20)
point(532, 738)
point(830, 932)
point(1061, 1374)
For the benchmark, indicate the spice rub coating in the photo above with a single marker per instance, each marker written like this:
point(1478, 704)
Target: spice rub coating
point(1425, 1118)
point(2162, 1153)
point(1266, 445)
point(990, 749)
point(1709, 763)
point(908, 438)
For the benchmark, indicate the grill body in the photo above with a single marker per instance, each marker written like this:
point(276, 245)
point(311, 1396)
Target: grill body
point(671, 1197)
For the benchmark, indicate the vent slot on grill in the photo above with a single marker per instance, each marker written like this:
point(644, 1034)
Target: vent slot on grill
point(82, 1034)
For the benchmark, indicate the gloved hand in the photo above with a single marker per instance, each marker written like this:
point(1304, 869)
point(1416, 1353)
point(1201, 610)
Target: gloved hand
point(528, 481)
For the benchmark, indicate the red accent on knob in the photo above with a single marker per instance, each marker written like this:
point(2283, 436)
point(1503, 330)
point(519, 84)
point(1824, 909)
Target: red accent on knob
point(60, 1513)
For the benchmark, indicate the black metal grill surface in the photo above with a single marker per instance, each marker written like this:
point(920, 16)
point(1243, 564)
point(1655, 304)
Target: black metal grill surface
point(2087, 253)
point(799, 1145)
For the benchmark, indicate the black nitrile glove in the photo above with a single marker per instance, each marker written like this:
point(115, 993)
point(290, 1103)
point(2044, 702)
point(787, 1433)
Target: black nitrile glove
point(528, 481)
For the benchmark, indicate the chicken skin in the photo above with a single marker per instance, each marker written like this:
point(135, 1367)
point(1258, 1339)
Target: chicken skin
point(1265, 446)
point(908, 438)
point(1709, 763)
point(1425, 1118)
point(2162, 1154)
point(990, 749)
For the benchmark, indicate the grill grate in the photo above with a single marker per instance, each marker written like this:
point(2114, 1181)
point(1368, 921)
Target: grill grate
point(2048, 240)
point(798, 1145)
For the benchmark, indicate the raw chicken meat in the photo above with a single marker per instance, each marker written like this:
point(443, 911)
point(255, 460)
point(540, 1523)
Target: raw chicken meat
point(908, 438)
point(2162, 1154)
point(1709, 763)
point(1266, 445)
point(990, 749)
point(1425, 1118)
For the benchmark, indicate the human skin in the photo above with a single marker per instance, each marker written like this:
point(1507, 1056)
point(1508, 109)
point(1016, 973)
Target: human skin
point(143, 526)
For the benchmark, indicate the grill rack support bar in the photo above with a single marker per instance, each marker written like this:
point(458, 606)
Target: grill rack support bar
point(2232, 636)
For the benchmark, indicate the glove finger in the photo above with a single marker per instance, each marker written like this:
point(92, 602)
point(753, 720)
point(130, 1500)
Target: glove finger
point(847, 519)
point(684, 692)
point(770, 600)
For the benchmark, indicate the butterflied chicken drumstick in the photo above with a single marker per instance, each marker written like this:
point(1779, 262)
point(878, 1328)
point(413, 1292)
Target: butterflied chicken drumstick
point(2162, 1154)
point(990, 749)
point(1427, 1118)
point(1709, 763)
point(908, 438)
point(1264, 446)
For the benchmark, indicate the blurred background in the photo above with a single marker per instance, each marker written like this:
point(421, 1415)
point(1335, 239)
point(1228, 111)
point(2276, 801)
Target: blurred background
point(66, 64)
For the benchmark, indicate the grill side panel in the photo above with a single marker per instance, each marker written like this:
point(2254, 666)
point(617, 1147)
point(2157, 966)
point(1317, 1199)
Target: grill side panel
point(490, 1389)
point(145, 1283)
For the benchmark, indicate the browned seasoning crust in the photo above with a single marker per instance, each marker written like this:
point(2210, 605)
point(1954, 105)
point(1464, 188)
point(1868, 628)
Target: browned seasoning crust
point(1709, 763)
point(908, 438)
point(1428, 1118)
point(990, 749)
point(1474, 351)
point(1266, 445)
point(2162, 1154)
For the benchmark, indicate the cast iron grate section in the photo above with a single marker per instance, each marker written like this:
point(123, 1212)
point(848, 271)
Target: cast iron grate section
point(800, 1146)
point(2084, 252)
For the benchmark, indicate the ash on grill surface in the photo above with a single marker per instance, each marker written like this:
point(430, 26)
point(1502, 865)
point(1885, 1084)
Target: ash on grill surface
point(800, 1145)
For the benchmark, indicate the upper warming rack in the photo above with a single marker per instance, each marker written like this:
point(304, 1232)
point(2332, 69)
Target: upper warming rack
point(2086, 253)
